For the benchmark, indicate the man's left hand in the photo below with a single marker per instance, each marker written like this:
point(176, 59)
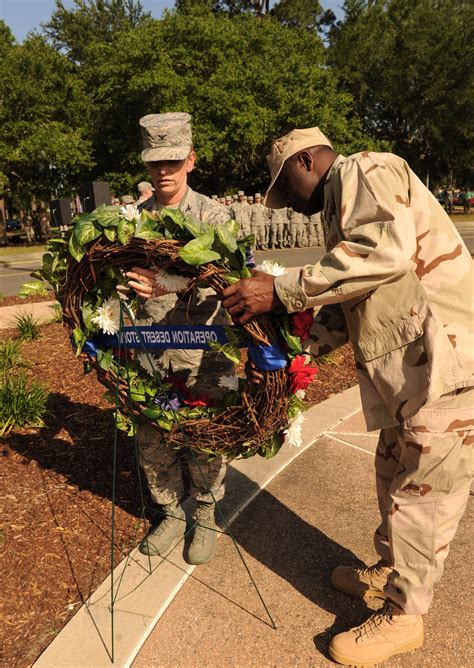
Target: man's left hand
point(251, 296)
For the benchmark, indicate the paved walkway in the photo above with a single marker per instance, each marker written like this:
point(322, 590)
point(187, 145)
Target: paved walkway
point(318, 513)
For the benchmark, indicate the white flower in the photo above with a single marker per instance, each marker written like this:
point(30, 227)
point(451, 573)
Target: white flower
point(293, 435)
point(229, 382)
point(171, 282)
point(273, 268)
point(130, 212)
point(149, 362)
point(107, 316)
point(300, 394)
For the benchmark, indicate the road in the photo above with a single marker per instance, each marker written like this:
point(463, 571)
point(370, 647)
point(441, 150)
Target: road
point(14, 272)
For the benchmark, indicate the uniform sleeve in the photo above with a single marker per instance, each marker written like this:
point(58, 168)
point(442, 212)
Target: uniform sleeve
point(328, 331)
point(376, 244)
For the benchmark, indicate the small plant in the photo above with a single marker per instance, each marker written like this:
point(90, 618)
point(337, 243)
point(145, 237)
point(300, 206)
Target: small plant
point(334, 357)
point(27, 327)
point(10, 355)
point(33, 289)
point(22, 404)
point(58, 314)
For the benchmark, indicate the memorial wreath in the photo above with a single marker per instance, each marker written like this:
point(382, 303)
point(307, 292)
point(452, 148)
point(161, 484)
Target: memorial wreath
point(88, 270)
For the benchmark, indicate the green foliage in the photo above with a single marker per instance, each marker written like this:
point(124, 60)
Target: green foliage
point(33, 288)
point(10, 355)
point(27, 326)
point(22, 403)
point(58, 314)
point(410, 68)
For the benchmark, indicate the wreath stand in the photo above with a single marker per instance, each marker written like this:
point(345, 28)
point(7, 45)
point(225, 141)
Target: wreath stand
point(116, 584)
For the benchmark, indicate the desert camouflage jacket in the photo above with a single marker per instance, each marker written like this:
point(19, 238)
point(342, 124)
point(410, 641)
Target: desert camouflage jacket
point(399, 281)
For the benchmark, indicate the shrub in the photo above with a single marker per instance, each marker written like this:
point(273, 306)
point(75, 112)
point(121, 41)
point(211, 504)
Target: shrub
point(10, 355)
point(58, 314)
point(27, 327)
point(33, 288)
point(22, 404)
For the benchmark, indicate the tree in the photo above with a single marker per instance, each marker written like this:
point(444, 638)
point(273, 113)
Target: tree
point(73, 30)
point(303, 14)
point(409, 65)
point(245, 82)
point(42, 107)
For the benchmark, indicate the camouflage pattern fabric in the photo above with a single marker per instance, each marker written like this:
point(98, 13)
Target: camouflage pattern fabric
point(403, 276)
point(199, 369)
point(423, 472)
point(296, 229)
point(162, 466)
point(241, 212)
point(279, 219)
point(257, 224)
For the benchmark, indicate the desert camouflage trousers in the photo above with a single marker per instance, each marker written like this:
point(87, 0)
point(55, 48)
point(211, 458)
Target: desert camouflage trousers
point(163, 467)
point(423, 472)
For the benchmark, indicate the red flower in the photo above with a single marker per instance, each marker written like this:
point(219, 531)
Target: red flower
point(301, 375)
point(199, 401)
point(301, 323)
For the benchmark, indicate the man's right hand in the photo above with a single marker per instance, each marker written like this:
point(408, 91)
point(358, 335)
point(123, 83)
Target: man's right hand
point(144, 284)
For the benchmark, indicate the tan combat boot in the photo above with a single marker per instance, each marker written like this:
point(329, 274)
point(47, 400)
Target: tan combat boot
point(384, 634)
point(362, 582)
point(161, 539)
point(204, 544)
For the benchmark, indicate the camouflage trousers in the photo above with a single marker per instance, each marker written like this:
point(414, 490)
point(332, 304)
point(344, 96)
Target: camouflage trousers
point(164, 470)
point(423, 472)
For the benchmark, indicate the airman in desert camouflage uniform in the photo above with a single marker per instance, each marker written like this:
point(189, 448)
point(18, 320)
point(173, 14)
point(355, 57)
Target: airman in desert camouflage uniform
point(397, 282)
point(169, 156)
point(295, 237)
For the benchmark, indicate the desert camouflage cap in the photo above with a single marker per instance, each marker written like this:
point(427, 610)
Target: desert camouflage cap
point(127, 199)
point(241, 193)
point(235, 196)
point(166, 136)
point(257, 195)
point(144, 185)
point(284, 148)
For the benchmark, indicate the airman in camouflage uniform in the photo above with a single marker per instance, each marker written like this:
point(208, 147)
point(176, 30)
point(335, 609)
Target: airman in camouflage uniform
point(279, 220)
point(316, 230)
point(240, 211)
point(296, 229)
point(257, 222)
point(397, 282)
point(167, 137)
point(267, 218)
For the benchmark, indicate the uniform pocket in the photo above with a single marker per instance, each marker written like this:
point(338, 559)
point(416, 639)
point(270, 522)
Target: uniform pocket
point(388, 339)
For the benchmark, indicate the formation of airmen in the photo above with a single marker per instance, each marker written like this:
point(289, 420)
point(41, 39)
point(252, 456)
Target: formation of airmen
point(272, 228)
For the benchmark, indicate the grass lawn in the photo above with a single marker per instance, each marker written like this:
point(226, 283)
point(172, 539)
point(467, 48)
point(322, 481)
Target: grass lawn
point(22, 249)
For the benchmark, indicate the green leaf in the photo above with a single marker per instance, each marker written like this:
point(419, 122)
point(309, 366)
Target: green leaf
point(110, 233)
point(226, 236)
point(125, 231)
point(107, 216)
point(147, 231)
point(294, 342)
point(231, 352)
point(79, 339)
point(295, 406)
point(105, 359)
point(76, 249)
point(87, 311)
point(173, 220)
point(32, 288)
point(198, 251)
point(86, 231)
point(195, 227)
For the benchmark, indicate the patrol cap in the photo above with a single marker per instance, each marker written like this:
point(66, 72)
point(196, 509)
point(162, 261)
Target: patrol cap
point(240, 193)
point(214, 197)
point(127, 199)
point(284, 148)
point(144, 185)
point(257, 195)
point(235, 196)
point(166, 136)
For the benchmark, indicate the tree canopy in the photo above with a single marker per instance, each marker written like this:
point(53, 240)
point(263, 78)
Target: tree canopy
point(392, 74)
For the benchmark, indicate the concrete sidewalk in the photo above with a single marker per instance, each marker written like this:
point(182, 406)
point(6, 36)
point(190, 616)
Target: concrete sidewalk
point(42, 312)
point(319, 512)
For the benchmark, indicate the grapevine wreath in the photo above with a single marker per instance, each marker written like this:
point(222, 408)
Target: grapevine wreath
point(88, 269)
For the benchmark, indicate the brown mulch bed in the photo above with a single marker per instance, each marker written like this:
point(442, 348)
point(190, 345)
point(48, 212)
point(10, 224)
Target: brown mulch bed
point(56, 496)
point(14, 299)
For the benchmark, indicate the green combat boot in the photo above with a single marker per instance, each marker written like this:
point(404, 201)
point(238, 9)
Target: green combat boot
point(203, 546)
point(161, 539)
